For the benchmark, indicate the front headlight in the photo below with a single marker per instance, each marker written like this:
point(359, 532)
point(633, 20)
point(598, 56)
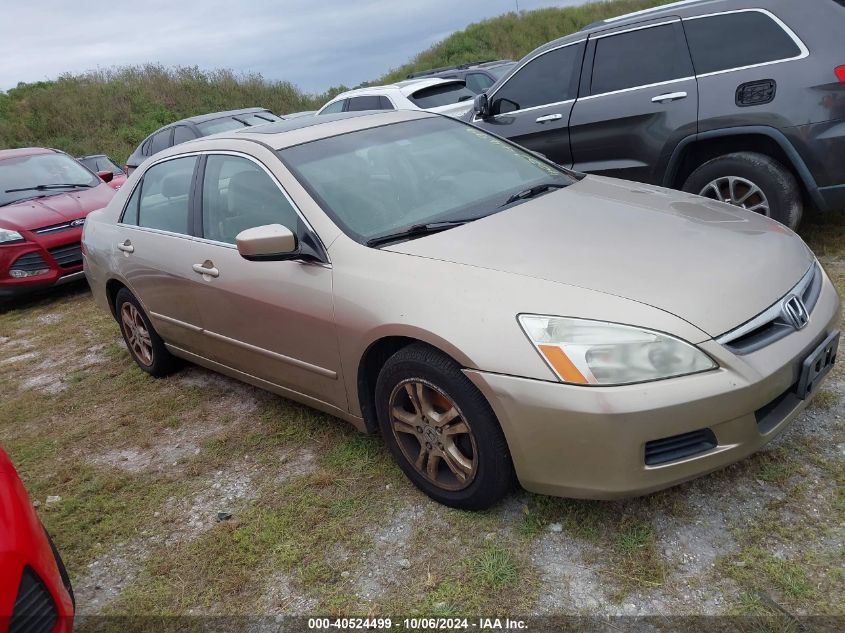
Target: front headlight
point(7, 235)
point(587, 352)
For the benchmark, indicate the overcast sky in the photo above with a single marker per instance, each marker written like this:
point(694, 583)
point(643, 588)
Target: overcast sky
point(313, 43)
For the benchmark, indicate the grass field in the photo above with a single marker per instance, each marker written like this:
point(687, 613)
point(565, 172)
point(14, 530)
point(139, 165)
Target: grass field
point(323, 522)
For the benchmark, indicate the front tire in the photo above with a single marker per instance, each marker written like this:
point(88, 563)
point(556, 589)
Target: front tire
point(441, 430)
point(752, 181)
point(145, 345)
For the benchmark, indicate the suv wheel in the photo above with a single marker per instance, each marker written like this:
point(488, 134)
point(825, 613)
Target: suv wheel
point(441, 430)
point(145, 345)
point(752, 181)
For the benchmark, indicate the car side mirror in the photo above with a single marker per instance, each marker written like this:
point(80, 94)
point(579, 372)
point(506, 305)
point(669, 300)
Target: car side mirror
point(268, 243)
point(105, 176)
point(481, 105)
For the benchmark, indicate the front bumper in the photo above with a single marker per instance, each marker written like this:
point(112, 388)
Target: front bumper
point(58, 255)
point(590, 442)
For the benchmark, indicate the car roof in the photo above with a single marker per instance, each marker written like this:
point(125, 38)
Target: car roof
point(304, 129)
point(25, 151)
point(406, 87)
point(211, 116)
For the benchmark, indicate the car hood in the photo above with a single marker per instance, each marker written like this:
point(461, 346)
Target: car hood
point(55, 209)
point(713, 265)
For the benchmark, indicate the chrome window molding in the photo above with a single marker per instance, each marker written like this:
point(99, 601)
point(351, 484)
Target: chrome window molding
point(641, 27)
point(774, 312)
point(643, 87)
point(803, 54)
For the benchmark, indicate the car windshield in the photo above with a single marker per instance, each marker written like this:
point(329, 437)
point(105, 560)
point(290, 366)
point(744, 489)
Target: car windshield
point(25, 177)
point(378, 181)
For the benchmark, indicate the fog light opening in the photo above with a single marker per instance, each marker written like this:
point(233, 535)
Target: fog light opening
point(17, 273)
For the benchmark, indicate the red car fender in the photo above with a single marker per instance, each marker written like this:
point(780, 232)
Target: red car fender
point(23, 542)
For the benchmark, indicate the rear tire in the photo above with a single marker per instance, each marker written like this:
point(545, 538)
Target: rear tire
point(441, 430)
point(145, 345)
point(752, 181)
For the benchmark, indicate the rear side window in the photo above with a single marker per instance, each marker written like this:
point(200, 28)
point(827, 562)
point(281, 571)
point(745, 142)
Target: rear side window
point(163, 202)
point(159, 142)
point(735, 40)
point(549, 78)
point(639, 58)
point(337, 106)
point(441, 95)
point(368, 102)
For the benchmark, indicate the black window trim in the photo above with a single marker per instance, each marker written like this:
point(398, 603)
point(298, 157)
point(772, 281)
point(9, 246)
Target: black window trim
point(197, 208)
point(191, 198)
point(804, 52)
point(585, 85)
point(515, 72)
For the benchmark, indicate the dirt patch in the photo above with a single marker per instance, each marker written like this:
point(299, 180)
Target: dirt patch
point(280, 598)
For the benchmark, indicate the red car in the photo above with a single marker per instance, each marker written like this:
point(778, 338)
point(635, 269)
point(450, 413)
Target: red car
point(35, 592)
point(45, 196)
point(105, 168)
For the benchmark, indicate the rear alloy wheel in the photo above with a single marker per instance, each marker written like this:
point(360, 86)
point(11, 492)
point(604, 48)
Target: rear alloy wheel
point(752, 181)
point(145, 345)
point(441, 430)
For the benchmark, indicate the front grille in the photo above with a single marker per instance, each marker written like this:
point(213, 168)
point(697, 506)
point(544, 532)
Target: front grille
point(29, 263)
point(770, 326)
point(35, 611)
point(67, 256)
point(677, 447)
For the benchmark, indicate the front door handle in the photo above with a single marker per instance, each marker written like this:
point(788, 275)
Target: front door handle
point(549, 117)
point(669, 96)
point(206, 268)
point(126, 247)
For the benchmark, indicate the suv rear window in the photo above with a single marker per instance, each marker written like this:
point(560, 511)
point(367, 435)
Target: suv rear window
point(441, 95)
point(639, 58)
point(736, 40)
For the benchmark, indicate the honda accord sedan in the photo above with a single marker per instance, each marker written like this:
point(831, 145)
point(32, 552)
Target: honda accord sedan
point(494, 316)
point(45, 196)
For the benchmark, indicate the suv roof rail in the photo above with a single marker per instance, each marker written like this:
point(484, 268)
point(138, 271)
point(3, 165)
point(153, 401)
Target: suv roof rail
point(643, 12)
point(464, 66)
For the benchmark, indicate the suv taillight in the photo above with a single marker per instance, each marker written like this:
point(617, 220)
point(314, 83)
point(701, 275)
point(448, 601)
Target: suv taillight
point(840, 72)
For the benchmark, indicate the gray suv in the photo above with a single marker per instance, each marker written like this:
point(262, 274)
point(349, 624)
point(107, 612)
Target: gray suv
point(737, 100)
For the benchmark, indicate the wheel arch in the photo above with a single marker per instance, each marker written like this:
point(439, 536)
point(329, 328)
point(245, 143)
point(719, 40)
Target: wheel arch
point(113, 286)
point(697, 149)
point(376, 354)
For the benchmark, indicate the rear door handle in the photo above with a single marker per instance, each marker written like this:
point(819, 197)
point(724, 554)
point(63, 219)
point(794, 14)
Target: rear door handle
point(669, 96)
point(126, 247)
point(206, 268)
point(549, 117)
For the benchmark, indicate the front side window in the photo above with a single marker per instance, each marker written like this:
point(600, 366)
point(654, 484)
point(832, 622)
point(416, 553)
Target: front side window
point(735, 40)
point(182, 134)
point(40, 175)
point(550, 78)
point(163, 197)
point(375, 181)
point(160, 141)
point(441, 95)
point(335, 107)
point(640, 58)
point(237, 195)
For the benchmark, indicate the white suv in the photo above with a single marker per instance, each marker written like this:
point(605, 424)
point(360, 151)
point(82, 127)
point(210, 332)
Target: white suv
point(446, 96)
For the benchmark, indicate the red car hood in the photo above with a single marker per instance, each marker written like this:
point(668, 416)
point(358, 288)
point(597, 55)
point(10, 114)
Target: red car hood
point(55, 209)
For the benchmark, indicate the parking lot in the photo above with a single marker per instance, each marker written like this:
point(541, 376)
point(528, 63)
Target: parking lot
point(197, 494)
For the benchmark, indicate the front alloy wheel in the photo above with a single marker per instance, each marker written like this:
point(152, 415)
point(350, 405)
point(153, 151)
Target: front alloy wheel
point(433, 434)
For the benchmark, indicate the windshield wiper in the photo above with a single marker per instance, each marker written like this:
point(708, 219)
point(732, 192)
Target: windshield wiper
point(63, 185)
point(417, 230)
point(533, 192)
